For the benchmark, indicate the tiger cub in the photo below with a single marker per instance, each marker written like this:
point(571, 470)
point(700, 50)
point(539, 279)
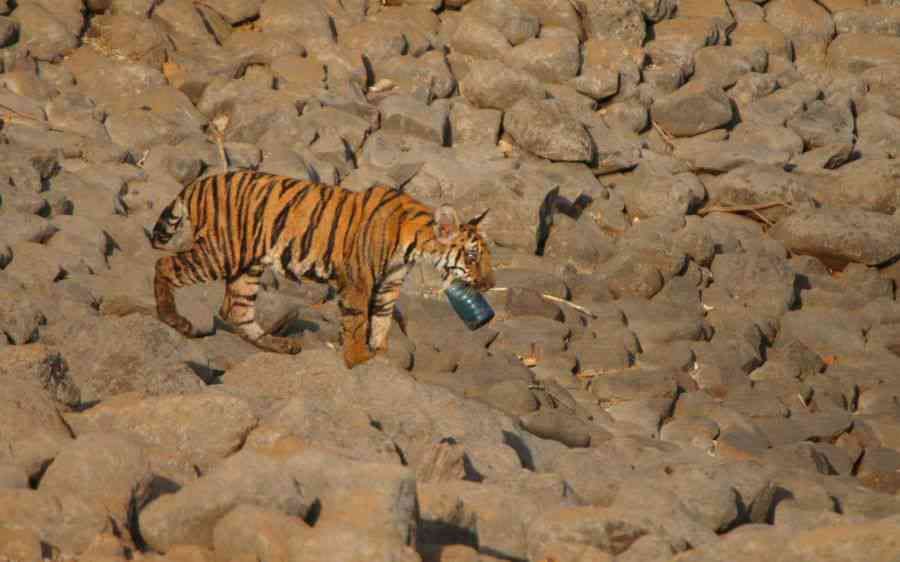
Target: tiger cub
point(232, 226)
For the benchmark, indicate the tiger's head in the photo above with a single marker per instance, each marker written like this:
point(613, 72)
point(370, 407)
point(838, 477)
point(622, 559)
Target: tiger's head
point(464, 254)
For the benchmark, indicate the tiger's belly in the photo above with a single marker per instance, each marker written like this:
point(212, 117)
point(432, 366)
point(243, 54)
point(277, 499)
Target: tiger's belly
point(310, 269)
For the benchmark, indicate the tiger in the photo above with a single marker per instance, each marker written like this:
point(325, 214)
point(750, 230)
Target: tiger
point(233, 226)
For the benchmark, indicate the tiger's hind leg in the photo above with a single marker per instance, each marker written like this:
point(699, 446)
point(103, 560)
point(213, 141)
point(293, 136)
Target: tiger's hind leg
point(239, 310)
point(173, 272)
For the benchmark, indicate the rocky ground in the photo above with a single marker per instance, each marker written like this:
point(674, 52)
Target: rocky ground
point(726, 387)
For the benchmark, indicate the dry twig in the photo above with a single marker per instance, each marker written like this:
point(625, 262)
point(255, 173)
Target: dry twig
point(577, 307)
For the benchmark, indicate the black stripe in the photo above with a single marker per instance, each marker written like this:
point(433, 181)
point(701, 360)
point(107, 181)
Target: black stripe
point(315, 219)
point(335, 223)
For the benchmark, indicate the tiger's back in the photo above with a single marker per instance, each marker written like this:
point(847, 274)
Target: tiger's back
point(300, 227)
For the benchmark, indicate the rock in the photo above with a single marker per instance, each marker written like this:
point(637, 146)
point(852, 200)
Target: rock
point(44, 32)
point(123, 79)
point(872, 19)
point(493, 85)
point(253, 531)
point(857, 52)
point(760, 184)
point(652, 195)
point(877, 135)
point(190, 516)
point(350, 545)
point(801, 20)
point(547, 130)
point(408, 116)
point(597, 82)
point(721, 65)
point(693, 109)
point(822, 124)
point(512, 19)
point(36, 364)
point(470, 125)
point(555, 59)
point(584, 526)
point(20, 545)
point(865, 184)
point(227, 422)
point(776, 139)
point(478, 38)
point(859, 541)
point(617, 19)
point(311, 21)
point(64, 522)
point(149, 357)
point(839, 237)
point(559, 426)
point(718, 157)
point(107, 470)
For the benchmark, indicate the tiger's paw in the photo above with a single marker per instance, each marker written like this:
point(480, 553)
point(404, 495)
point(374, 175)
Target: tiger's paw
point(181, 325)
point(277, 344)
point(356, 354)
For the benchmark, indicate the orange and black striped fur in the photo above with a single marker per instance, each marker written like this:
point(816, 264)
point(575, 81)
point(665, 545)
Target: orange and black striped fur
point(232, 226)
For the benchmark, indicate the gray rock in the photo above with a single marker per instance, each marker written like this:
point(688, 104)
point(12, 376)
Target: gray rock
point(107, 80)
point(778, 139)
point(250, 530)
point(877, 135)
point(65, 521)
point(375, 43)
point(477, 38)
point(841, 236)
point(558, 426)
point(760, 184)
point(36, 364)
point(750, 88)
point(857, 52)
point(511, 18)
point(618, 19)
point(693, 109)
point(12, 477)
point(617, 151)
point(150, 421)
point(309, 20)
point(650, 195)
point(106, 470)
point(470, 125)
point(9, 31)
point(597, 82)
point(494, 85)
point(777, 108)
point(408, 116)
point(44, 32)
point(823, 124)
point(866, 184)
point(718, 157)
point(555, 59)
point(721, 65)
point(801, 20)
point(190, 516)
point(547, 130)
point(824, 333)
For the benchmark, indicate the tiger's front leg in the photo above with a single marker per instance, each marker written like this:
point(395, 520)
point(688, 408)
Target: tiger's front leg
point(239, 310)
point(173, 272)
point(354, 306)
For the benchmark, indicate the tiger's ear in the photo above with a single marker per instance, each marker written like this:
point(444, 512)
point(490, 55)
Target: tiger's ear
point(476, 220)
point(446, 224)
